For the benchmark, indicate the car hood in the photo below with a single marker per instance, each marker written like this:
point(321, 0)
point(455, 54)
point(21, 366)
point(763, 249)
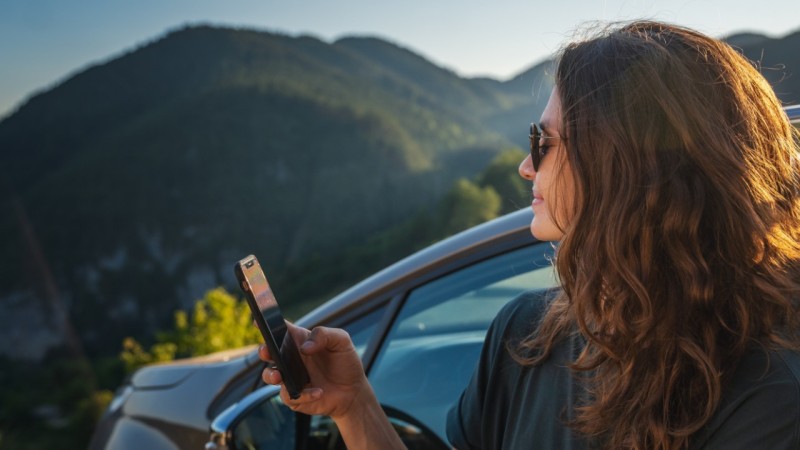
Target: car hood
point(167, 375)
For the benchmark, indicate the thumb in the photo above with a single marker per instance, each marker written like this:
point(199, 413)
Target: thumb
point(334, 340)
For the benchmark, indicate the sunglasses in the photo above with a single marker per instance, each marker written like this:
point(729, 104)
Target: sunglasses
point(537, 150)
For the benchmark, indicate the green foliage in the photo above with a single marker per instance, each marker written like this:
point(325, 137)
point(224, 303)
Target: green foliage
point(133, 355)
point(467, 205)
point(54, 405)
point(90, 408)
point(503, 177)
point(217, 322)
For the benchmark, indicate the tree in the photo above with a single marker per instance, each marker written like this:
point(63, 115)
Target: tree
point(467, 205)
point(502, 176)
point(218, 322)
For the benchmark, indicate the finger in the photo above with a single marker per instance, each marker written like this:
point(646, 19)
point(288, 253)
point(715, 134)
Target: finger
point(263, 353)
point(271, 376)
point(330, 339)
point(307, 397)
point(299, 334)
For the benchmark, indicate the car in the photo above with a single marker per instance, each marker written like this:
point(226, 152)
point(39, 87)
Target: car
point(418, 325)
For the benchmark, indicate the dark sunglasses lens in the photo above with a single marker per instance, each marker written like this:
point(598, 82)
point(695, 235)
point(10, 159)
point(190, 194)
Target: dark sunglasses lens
point(534, 137)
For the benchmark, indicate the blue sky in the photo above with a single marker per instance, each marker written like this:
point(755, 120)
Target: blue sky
point(44, 41)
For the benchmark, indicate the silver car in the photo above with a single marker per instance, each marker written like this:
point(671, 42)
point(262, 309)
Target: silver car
point(418, 325)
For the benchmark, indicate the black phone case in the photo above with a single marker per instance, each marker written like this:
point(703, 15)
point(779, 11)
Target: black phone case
point(288, 362)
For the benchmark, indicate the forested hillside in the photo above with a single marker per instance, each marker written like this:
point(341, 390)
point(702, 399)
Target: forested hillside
point(132, 187)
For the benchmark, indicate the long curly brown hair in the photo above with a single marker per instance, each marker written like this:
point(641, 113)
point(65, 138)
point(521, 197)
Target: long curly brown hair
point(681, 252)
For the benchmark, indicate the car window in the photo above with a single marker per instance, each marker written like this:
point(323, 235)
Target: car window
point(323, 431)
point(363, 329)
point(270, 425)
point(433, 346)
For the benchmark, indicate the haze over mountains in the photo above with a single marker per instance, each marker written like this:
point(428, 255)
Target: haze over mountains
point(132, 187)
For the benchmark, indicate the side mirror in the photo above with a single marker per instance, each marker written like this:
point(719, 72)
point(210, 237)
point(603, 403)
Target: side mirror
point(259, 420)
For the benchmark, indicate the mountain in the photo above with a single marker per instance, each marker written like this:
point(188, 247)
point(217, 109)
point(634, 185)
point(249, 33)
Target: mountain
point(777, 60)
point(132, 187)
point(744, 39)
point(129, 189)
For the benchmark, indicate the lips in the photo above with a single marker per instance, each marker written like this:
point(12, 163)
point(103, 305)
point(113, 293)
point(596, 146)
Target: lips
point(537, 198)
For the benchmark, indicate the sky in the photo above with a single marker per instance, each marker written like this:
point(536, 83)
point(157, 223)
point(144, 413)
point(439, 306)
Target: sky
point(43, 42)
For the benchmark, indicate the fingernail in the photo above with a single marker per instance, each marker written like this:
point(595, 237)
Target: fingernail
point(307, 345)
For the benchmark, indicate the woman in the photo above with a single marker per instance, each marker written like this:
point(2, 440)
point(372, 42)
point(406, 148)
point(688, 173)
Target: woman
point(668, 174)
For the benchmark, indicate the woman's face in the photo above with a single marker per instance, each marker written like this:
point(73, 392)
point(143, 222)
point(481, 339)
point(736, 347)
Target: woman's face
point(553, 192)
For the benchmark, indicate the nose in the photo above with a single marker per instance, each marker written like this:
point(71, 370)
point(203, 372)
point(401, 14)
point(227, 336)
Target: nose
point(526, 169)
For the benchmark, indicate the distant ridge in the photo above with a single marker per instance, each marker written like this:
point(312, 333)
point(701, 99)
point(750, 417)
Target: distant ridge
point(777, 59)
point(143, 177)
point(741, 40)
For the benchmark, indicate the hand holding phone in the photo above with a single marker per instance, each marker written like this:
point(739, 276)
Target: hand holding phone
point(269, 320)
point(335, 366)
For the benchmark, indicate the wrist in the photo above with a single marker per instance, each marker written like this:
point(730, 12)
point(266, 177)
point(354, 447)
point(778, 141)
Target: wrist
point(363, 403)
point(365, 426)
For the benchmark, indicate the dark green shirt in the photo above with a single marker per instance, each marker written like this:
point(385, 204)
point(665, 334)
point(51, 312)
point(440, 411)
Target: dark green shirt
point(509, 406)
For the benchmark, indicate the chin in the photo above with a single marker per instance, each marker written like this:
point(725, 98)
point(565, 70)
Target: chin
point(545, 230)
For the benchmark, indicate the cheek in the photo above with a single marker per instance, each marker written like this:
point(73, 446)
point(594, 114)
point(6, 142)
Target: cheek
point(563, 193)
point(556, 213)
point(563, 209)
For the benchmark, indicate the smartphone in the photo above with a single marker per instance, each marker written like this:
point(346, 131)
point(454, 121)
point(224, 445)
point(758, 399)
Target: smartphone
point(270, 322)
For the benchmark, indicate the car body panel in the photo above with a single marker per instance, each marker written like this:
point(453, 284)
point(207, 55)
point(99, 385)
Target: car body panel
point(170, 400)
